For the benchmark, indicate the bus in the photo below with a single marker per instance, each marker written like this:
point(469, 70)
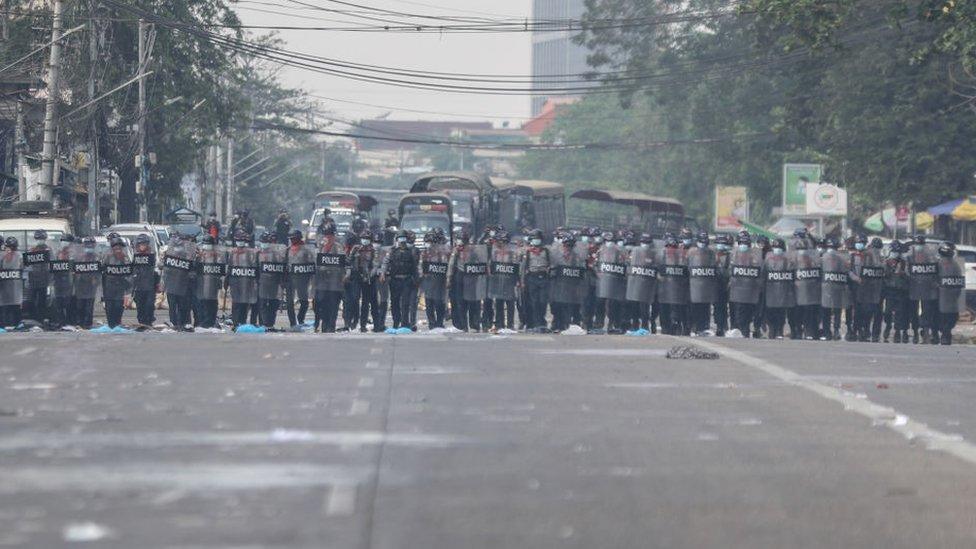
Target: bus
point(474, 198)
point(424, 212)
point(619, 210)
point(343, 206)
point(531, 204)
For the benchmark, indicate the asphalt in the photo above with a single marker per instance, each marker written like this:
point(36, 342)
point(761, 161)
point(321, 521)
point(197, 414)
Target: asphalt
point(476, 441)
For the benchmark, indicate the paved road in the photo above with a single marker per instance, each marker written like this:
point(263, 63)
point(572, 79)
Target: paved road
point(349, 441)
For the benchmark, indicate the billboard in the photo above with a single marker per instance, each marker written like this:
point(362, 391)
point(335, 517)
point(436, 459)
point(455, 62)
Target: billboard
point(826, 199)
point(796, 179)
point(731, 205)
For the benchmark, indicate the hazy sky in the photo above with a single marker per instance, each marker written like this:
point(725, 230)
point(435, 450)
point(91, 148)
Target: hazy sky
point(505, 53)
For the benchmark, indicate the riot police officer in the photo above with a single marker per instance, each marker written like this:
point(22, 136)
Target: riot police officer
point(835, 288)
point(867, 272)
point(330, 268)
point(779, 274)
point(242, 277)
point(806, 315)
point(87, 267)
point(745, 283)
point(116, 282)
point(952, 291)
point(896, 302)
point(362, 259)
point(923, 289)
point(534, 272)
point(703, 281)
point(11, 283)
point(673, 287)
point(301, 269)
point(211, 264)
point(503, 279)
point(434, 260)
point(62, 290)
point(401, 271)
point(37, 264)
point(720, 309)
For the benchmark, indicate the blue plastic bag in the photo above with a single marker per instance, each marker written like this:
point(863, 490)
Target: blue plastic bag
point(250, 329)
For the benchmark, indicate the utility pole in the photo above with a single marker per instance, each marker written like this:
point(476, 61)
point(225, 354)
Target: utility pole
point(218, 198)
point(322, 166)
point(19, 144)
point(93, 165)
point(141, 184)
point(45, 190)
point(229, 209)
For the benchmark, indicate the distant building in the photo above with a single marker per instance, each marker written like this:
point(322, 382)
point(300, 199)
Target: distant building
point(408, 129)
point(554, 53)
point(541, 122)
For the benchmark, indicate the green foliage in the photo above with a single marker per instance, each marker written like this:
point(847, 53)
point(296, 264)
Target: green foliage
point(866, 88)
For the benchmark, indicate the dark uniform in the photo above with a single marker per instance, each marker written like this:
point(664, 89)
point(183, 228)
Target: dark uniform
point(401, 271)
point(534, 273)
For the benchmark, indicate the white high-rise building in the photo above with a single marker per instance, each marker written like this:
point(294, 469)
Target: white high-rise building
point(554, 52)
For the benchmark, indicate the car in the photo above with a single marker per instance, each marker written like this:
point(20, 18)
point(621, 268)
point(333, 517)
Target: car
point(968, 255)
point(132, 230)
point(21, 219)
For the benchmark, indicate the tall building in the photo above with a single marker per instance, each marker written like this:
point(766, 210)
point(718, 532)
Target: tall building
point(554, 52)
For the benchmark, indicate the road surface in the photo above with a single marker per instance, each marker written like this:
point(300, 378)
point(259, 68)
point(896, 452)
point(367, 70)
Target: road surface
point(443, 442)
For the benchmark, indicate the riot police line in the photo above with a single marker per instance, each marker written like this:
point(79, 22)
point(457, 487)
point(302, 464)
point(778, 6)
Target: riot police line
point(600, 281)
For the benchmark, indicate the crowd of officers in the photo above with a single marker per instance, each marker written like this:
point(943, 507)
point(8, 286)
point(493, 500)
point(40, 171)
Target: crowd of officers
point(602, 281)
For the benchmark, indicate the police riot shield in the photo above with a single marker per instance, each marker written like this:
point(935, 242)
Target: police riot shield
point(780, 281)
point(433, 264)
point(211, 264)
point(474, 265)
point(611, 272)
point(272, 269)
point(330, 266)
point(835, 290)
point(61, 269)
point(808, 277)
point(642, 275)
point(745, 269)
point(11, 278)
point(503, 272)
point(869, 266)
point(86, 271)
point(301, 269)
point(703, 275)
point(117, 272)
point(242, 274)
point(37, 266)
point(178, 266)
point(568, 276)
point(672, 273)
point(952, 285)
point(923, 275)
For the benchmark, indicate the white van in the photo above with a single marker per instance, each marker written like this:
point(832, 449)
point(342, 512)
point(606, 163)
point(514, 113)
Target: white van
point(20, 220)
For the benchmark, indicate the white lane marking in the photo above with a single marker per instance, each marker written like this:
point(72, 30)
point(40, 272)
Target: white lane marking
point(185, 477)
point(673, 385)
point(340, 500)
point(912, 430)
point(428, 370)
point(366, 382)
point(32, 440)
point(372, 365)
point(376, 351)
point(25, 351)
point(359, 407)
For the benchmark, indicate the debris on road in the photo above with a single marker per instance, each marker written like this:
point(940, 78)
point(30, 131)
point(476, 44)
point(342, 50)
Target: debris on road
point(690, 352)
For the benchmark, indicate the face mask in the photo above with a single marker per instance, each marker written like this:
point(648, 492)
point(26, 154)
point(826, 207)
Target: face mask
point(686, 242)
point(645, 245)
point(365, 242)
point(401, 240)
point(621, 243)
point(859, 246)
point(598, 240)
point(491, 234)
point(584, 239)
point(896, 255)
point(778, 251)
point(701, 244)
point(743, 247)
point(264, 245)
point(536, 242)
point(721, 247)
